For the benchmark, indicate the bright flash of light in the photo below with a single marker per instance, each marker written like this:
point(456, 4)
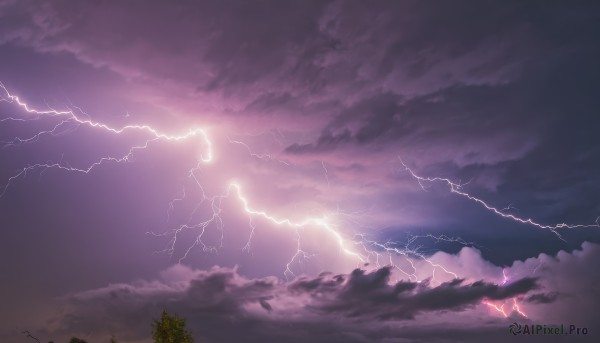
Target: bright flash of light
point(500, 308)
point(370, 251)
point(359, 248)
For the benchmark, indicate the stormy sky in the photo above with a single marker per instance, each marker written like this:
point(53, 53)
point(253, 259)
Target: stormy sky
point(323, 171)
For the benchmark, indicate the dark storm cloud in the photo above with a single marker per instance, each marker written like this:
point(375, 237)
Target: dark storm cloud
point(221, 295)
point(326, 142)
point(210, 47)
point(371, 294)
point(218, 293)
point(319, 51)
point(542, 298)
point(461, 82)
point(375, 118)
point(356, 60)
point(463, 124)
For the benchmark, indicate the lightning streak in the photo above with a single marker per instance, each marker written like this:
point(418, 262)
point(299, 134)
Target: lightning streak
point(71, 117)
point(359, 248)
point(322, 223)
point(326, 174)
point(515, 305)
point(234, 189)
point(264, 156)
point(57, 130)
point(45, 166)
point(8, 97)
point(456, 188)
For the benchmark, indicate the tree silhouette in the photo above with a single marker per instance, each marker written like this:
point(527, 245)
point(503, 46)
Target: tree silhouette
point(77, 340)
point(170, 329)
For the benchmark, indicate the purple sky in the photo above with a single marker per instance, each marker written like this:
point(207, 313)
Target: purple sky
point(299, 170)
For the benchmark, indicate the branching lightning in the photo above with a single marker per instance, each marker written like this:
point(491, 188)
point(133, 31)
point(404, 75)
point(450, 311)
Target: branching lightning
point(255, 155)
point(370, 248)
point(359, 248)
point(457, 189)
point(57, 130)
point(500, 308)
point(71, 117)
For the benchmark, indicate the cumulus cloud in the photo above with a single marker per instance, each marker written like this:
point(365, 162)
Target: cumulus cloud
point(569, 286)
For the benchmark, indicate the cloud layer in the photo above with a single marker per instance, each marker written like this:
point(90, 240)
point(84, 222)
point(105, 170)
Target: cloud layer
point(362, 306)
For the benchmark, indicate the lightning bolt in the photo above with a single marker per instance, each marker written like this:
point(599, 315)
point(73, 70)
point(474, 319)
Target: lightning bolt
point(45, 166)
point(80, 118)
point(326, 174)
point(359, 248)
point(456, 188)
point(500, 308)
point(71, 117)
point(57, 130)
point(215, 202)
point(8, 97)
point(235, 190)
point(264, 156)
point(382, 254)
